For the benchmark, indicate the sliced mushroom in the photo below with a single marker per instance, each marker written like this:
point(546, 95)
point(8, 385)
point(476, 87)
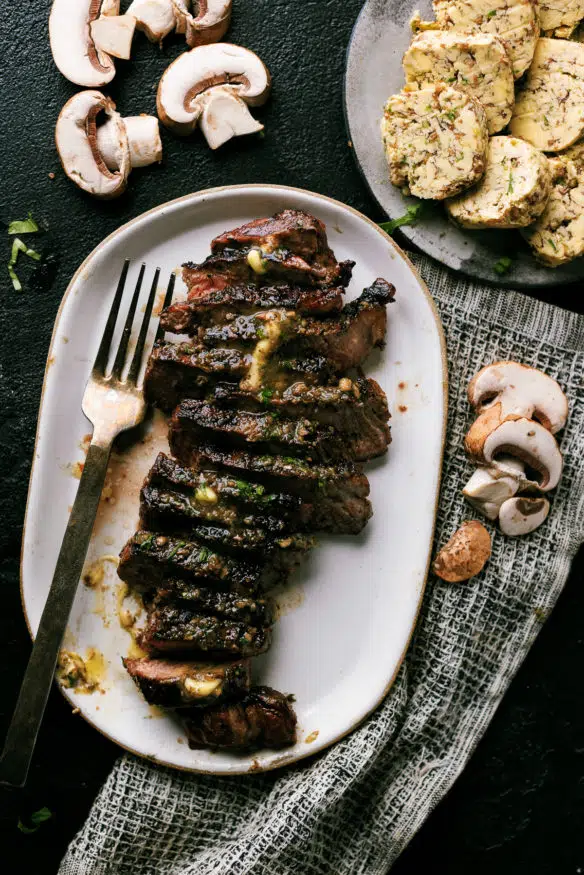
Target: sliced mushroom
point(208, 25)
point(143, 136)
point(72, 45)
point(76, 139)
point(515, 391)
point(185, 89)
point(113, 35)
point(520, 516)
point(465, 554)
point(225, 115)
point(155, 17)
point(521, 438)
point(488, 488)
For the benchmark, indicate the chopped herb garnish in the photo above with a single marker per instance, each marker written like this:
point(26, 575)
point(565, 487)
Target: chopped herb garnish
point(510, 186)
point(451, 79)
point(410, 217)
point(173, 553)
point(266, 395)
point(503, 265)
point(491, 14)
point(36, 819)
point(552, 244)
point(28, 226)
point(204, 554)
point(17, 285)
point(19, 246)
point(147, 542)
point(451, 114)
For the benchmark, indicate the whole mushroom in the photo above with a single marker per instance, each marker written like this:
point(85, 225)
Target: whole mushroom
point(214, 85)
point(465, 554)
point(85, 35)
point(125, 143)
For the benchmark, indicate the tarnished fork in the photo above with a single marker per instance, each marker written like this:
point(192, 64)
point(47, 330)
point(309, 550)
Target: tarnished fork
point(113, 404)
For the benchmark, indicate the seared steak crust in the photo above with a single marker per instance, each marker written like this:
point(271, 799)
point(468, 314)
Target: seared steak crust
point(174, 684)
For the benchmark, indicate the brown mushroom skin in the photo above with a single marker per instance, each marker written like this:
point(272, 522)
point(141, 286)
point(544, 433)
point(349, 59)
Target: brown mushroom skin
point(465, 554)
point(201, 36)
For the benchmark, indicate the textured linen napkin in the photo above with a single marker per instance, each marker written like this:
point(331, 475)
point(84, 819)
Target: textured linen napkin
point(353, 809)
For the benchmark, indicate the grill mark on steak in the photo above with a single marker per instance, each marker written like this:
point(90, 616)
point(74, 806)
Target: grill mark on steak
point(265, 718)
point(218, 305)
point(173, 684)
point(175, 629)
point(226, 605)
point(148, 558)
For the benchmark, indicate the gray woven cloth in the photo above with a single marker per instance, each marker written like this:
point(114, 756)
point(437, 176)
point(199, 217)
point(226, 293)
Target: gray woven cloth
point(354, 808)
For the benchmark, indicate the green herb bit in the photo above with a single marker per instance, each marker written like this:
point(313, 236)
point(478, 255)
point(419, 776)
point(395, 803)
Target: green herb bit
point(503, 265)
point(36, 818)
point(17, 285)
point(552, 244)
point(147, 542)
point(173, 553)
point(266, 395)
point(204, 554)
point(18, 246)
point(28, 226)
point(410, 217)
point(510, 188)
point(491, 14)
point(451, 114)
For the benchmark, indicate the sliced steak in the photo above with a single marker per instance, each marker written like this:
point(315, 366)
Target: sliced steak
point(226, 605)
point(218, 305)
point(175, 629)
point(171, 684)
point(148, 558)
point(338, 494)
point(265, 718)
point(188, 370)
point(293, 230)
point(198, 422)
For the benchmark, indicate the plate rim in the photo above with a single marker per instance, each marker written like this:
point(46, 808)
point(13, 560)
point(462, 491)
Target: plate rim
point(281, 761)
point(502, 282)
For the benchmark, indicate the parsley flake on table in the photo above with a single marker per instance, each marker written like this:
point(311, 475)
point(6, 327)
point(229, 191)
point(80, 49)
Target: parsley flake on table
point(36, 818)
point(503, 265)
point(26, 226)
point(410, 217)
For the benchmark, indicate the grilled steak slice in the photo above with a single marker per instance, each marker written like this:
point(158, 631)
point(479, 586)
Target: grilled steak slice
point(175, 629)
point(198, 422)
point(148, 558)
point(345, 340)
point(171, 684)
point(265, 718)
point(291, 246)
point(219, 304)
point(187, 370)
point(338, 494)
point(226, 605)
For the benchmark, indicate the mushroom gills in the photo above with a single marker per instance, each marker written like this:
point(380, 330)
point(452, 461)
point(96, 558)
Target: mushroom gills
point(113, 35)
point(225, 116)
point(530, 442)
point(73, 49)
point(520, 516)
point(143, 136)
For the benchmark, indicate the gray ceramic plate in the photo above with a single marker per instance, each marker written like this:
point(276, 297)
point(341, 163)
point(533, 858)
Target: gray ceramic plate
point(380, 37)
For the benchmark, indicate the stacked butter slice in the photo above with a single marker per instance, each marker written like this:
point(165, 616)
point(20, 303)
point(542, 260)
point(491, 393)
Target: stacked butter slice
point(271, 418)
point(490, 120)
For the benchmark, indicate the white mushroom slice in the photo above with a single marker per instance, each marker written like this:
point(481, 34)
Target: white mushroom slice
point(561, 16)
point(514, 22)
point(512, 193)
point(76, 139)
point(557, 237)
point(74, 51)
point(143, 137)
point(487, 489)
point(208, 25)
point(549, 107)
point(110, 7)
point(517, 391)
point(185, 85)
point(155, 17)
point(528, 441)
point(225, 116)
point(475, 63)
point(435, 140)
point(113, 34)
point(520, 516)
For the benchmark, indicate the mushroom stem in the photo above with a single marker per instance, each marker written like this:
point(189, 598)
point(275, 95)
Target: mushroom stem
point(487, 489)
point(113, 35)
point(155, 17)
point(143, 136)
point(225, 116)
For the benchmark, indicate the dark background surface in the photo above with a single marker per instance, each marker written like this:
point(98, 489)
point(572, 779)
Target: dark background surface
point(518, 806)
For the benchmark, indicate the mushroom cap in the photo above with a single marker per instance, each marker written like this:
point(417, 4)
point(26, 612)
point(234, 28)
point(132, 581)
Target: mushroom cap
point(532, 443)
point(73, 49)
point(155, 17)
point(208, 25)
point(465, 554)
point(522, 515)
point(76, 139)
point(179, 100)
point(519, 391)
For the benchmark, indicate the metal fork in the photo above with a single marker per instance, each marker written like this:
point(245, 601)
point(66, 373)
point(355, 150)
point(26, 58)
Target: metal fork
point(112, 404)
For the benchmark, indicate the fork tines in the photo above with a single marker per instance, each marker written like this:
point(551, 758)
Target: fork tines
point(101, 360)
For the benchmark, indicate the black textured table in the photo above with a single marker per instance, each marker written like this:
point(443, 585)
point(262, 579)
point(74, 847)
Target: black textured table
point(518, 806)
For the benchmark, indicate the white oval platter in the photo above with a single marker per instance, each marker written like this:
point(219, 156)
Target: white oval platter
point(348, 613)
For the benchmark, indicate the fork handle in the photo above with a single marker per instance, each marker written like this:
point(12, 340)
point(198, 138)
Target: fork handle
point(34, 692)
